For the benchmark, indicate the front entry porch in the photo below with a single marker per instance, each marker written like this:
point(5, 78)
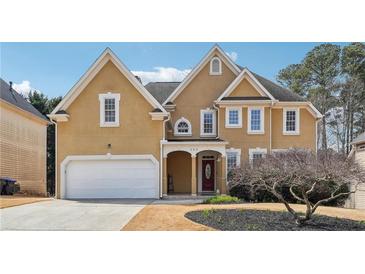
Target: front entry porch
point(194, 168)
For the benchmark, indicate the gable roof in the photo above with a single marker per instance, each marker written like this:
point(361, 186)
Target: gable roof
point(278, 92)
point(12, 97)
point(227, 61)
point(246, 74)
point(161, 90)
point(106, 56)
point(359, 139)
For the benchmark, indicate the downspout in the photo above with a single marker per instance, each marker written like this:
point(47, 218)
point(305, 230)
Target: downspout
point(55, 156)
point(317, 120)
point(217, 109)
point(161, 156)
point(270, 144)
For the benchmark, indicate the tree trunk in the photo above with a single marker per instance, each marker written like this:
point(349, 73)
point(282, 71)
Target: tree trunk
point(324, 133)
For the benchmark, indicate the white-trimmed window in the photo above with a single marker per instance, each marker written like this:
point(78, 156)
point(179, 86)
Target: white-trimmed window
point(109, 109)
point(291, 121)
point(233, 117)
point(233, 158)
point(215, 66)
point(255, 120)
point(207, 122)
point(256, 154)
point(182, 127)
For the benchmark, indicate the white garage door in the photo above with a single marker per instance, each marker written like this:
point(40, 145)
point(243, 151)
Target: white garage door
point(130, 178)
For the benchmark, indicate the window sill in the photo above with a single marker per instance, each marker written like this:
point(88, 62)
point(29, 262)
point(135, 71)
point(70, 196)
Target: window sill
point(109, 125)
point(290, 133)
point(215, 74)
point(182, 134)
point(208, 135)
point(233, 126)
point(256, 132)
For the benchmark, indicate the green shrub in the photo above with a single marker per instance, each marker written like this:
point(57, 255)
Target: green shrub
point(221, 200)
point(207, 212)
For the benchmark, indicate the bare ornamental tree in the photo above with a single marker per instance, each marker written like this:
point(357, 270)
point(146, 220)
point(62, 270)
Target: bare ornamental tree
point(310, 179)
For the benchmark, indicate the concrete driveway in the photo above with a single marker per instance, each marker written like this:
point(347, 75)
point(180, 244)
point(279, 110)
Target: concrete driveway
point(107, 214)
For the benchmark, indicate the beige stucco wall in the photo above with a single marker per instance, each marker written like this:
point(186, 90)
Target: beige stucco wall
point(198, 95)
point(306, 138)
point(244, 89)
point(82, 135)
point(179, 167)
point(23, 146)
point(238, 138)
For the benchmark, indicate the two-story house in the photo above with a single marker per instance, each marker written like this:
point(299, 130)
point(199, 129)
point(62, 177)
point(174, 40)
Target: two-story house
point(119, 139)
point(23, 141)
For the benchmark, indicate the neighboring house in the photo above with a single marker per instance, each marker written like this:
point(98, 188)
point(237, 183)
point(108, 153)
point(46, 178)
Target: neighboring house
point(23, 141)
point(357, 200)
point(117, 138)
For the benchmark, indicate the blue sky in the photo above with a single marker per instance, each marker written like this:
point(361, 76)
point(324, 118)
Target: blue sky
point(54, 68)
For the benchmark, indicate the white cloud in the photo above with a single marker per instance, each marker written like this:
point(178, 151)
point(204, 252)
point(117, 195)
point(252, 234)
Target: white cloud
point(162, 74)
point(23, 88)
point(233, 55)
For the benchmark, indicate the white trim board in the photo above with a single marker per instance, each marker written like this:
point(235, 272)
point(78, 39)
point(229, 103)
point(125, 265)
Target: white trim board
point(238, 156)
point(262, 120)
point(102, 97)
point(307, 105)
point(219, 72)
point(177, 133)
point(214, 122)
point(297, 121)
point(107, 55)
point(239, 110)
point(223, 57)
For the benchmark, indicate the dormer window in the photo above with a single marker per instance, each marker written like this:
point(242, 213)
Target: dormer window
point(109, 109)
point(182, 127)
point(215, 66)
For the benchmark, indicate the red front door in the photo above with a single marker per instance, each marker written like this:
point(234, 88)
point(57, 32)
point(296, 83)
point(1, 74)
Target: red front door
point(208, 175)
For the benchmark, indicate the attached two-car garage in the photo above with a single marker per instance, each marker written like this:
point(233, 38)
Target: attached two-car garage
point(121, 176)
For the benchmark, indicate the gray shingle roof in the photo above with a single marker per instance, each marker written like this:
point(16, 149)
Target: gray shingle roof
point(359, 139)
point(278, 92)
point(161, 90)
point(14, 98)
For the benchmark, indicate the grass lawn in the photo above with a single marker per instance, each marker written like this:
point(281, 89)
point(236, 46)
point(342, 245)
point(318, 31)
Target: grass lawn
point(9, 201)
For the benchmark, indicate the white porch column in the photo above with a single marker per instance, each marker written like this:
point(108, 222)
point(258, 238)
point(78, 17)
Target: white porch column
point(193, 175)
point(164, 176)
point(223, 187)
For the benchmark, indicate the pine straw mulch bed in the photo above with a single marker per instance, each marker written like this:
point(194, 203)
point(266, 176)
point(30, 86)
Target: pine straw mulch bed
point(265, 220)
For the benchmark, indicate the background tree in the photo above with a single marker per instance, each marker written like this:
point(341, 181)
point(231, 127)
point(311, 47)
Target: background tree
point(296, 78)
point(45, 106)
point(334, 81)
point(323, 64)
point(353, 92)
